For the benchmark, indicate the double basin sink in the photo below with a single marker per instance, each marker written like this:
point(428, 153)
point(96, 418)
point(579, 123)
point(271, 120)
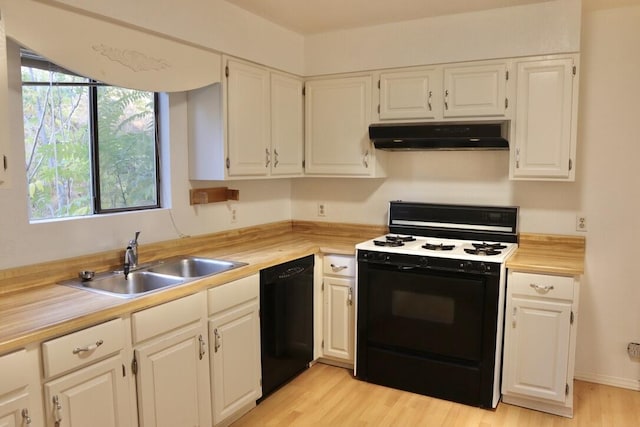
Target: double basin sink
point(154, 276)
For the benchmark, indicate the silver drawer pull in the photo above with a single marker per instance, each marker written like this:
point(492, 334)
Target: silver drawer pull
point(542, 289)
point(338, 267)
point(86, 348)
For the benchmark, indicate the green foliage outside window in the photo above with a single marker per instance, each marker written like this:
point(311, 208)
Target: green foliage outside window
point(90, 148)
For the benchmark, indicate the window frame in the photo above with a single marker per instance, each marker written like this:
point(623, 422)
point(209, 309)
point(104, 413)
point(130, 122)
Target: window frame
point(30, 59)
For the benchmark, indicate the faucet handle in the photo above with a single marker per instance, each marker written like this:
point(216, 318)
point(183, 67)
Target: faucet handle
point(135, 239)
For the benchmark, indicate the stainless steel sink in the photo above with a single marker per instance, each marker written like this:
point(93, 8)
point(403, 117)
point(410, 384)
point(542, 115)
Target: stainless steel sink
point(136, 283)
point(193, 267)
point(153, 277)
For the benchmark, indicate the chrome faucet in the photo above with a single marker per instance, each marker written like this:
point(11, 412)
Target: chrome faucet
point(131, 255)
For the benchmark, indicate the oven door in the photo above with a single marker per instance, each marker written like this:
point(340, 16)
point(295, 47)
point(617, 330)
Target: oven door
point(421, 311)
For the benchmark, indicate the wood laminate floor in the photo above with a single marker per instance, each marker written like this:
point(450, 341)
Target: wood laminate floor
point(329, 396)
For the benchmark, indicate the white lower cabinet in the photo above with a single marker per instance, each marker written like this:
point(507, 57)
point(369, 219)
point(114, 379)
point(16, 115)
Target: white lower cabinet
point(172, 368)
point(339, 318)
point(234, 336)
point(86, 380)
point(93, 396)
point(20, 399)
point(540, 331)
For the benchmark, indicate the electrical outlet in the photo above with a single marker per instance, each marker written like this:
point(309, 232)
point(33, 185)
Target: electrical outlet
point(581, 222)
point(634, 350)
point(234, 215)
point(322, 209)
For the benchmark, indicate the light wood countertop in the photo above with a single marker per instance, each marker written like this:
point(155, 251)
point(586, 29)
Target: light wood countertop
point(34, 308)
point(43, 309)
point(549, 254)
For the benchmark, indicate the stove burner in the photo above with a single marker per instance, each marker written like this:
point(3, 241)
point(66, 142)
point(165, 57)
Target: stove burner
point(438, 247)
point(481, 251)
point(392, 243)
point(485, 245)
point(399, 238)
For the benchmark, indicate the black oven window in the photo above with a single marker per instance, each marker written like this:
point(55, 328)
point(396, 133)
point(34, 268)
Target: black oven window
point(425, 307)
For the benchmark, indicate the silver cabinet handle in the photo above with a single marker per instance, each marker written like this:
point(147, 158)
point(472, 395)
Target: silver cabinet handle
point(338, 267)
point(514, 316)
point(217, 340)
point(57, 411)
point(25, 416)
point(446, 99)
point(350, 297)
point(203, 347)
point(429, 100)
point(365, 159)
point(517, 157)
point(275, 158)
point(89, 347)
point(541, 289)
point(267, 158)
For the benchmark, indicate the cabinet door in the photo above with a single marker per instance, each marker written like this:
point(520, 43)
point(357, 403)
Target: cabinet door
point(537, 348)
point(545, 119)
point(14, 410)
point(20, 397)
point(338, 315)
point(4, 118)
point(93, 396)
point(477, 91)
point(286, 125)
point(410, 94)
point(337, 118)
point(235, 359)
point(249, 134)
point(173, 380)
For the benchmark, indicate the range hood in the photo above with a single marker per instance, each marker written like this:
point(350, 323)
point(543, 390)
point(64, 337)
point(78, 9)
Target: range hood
point(440, 136)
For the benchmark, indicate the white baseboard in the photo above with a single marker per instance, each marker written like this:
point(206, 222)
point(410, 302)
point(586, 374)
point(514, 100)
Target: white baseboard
point(608, 380)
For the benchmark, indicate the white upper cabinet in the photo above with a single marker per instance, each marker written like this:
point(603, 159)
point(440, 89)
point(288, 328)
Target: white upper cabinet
point(475, 90)
point(4, 118)
point(544, 130)
point(250, 126)
point(287, 125)
point(248, 119)
point(410, 94)
point(337, 118)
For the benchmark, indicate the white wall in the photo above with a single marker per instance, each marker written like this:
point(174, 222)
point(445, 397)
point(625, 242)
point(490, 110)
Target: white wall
point(610, 194)
point(533, 29)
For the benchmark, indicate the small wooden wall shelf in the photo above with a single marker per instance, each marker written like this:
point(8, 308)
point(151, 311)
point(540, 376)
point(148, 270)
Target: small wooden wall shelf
point(201, 196)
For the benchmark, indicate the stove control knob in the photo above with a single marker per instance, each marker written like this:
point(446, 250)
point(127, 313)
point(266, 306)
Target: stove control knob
point(423, 261)
point(483, 267)
point(466, 266)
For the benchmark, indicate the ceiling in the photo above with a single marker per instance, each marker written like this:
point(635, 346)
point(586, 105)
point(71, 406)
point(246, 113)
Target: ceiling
point(317, 16)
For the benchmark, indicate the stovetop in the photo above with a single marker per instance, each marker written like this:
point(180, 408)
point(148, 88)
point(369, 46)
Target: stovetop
point(497, 252)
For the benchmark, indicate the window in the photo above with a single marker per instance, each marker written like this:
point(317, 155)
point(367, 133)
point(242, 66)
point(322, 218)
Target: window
point(90, 148)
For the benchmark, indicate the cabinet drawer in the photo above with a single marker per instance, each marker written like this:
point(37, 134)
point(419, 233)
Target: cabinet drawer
point(234, 293)
point(83, 347)
point(167, 317)
point(541, 285)
point(339, 265)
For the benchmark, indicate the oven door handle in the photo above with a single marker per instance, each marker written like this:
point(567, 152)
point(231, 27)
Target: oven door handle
point(406, 267)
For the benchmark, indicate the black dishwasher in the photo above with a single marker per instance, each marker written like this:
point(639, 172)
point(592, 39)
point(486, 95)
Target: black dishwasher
point(286, 321)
